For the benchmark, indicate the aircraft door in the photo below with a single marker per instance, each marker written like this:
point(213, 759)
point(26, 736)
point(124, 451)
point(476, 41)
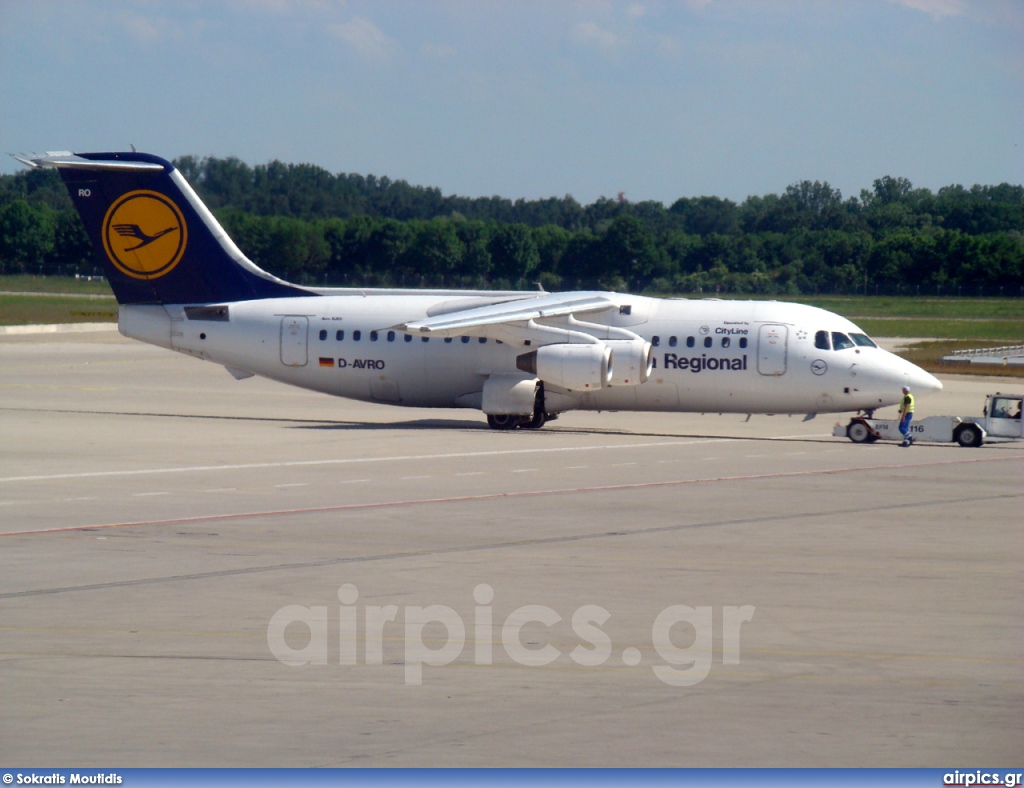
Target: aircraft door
point(294, 335)
point(771, 349)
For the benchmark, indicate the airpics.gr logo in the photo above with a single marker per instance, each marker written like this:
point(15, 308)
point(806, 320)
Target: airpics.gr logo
point(144, 234)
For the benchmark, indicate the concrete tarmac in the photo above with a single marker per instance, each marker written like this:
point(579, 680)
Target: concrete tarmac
point(615, 589)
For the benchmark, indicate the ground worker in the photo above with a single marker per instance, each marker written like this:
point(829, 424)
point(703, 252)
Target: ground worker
point(906, 414)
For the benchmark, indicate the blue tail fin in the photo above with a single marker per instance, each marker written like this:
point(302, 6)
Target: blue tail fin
point(158, 243)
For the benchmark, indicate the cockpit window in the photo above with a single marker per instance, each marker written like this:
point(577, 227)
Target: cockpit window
point(862, 340)
point(821, 341)
point(840, 341)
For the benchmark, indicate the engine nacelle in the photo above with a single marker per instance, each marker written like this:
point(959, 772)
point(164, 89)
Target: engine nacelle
point(576, 367)
point(634, 360)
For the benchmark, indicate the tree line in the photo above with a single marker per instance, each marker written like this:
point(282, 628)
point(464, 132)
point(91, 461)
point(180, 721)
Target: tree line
point(307, 225)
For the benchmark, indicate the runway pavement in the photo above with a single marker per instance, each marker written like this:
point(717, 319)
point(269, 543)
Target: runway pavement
point(613, 590)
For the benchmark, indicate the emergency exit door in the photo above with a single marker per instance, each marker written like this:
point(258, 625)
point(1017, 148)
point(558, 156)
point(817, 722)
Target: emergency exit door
point(294, 336)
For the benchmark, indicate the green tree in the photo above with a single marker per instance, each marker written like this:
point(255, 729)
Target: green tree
point(287, 248)
point(475, 265)
point(388, 248)
point(514, 254)
point(887, 190)
point(225, 182)
point(251, 235)
point(71, 244)
point(627, 250)
point(552, 242)
point(435, 253)
point(706, 215)
point(26, 235)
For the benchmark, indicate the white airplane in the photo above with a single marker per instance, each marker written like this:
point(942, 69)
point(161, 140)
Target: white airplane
point(520, 357)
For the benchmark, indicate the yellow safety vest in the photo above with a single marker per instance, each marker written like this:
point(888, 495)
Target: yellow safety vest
point(908, 403)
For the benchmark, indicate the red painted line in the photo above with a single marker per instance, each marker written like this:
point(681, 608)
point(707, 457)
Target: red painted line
point(496, 496)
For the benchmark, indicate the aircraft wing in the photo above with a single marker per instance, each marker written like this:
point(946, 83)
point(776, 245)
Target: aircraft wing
point(511, 312)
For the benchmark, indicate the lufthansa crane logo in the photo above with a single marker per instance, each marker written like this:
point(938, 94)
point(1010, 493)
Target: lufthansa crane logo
point(144, 234)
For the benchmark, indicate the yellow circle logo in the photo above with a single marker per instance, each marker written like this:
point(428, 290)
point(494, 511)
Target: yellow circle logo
point(144, 234)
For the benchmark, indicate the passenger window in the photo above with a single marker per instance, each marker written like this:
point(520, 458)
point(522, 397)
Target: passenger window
point(821, 341)
point(408, 337)
point(339, 335)
point(708, 341)
point(672, 341)
point(448, 340)
point(373, 336)
point(655, 341)
point(725, 342)
point(690, 341)
point(323, 334)
point(357, 335)
point(743, 342)
point(465, 340)
point(483, 340)
point(391, 336)
point(840, 341)
point(425, 339)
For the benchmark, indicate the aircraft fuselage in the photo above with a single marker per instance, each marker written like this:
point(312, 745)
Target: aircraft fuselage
point(709, 355)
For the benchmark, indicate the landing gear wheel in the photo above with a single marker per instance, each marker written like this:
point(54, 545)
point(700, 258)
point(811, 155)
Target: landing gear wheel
point(539, 417)
point(859, 432)
point(503, 421)
point(969, 436)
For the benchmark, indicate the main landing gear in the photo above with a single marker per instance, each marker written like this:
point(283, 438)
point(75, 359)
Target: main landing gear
point(512, 421)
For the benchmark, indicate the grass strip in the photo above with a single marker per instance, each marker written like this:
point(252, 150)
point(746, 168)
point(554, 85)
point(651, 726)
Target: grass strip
point(16, 310)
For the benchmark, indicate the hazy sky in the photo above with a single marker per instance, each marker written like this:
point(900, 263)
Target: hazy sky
point(658, 99)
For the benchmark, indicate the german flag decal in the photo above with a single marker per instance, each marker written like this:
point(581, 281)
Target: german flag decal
point(326, 362)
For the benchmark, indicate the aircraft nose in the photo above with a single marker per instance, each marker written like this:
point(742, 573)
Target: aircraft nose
point(909, 374)
point(922, 381)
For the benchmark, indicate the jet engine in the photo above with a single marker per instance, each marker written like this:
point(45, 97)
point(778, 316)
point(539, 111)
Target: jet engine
point(574, 367)
point(634, 360)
